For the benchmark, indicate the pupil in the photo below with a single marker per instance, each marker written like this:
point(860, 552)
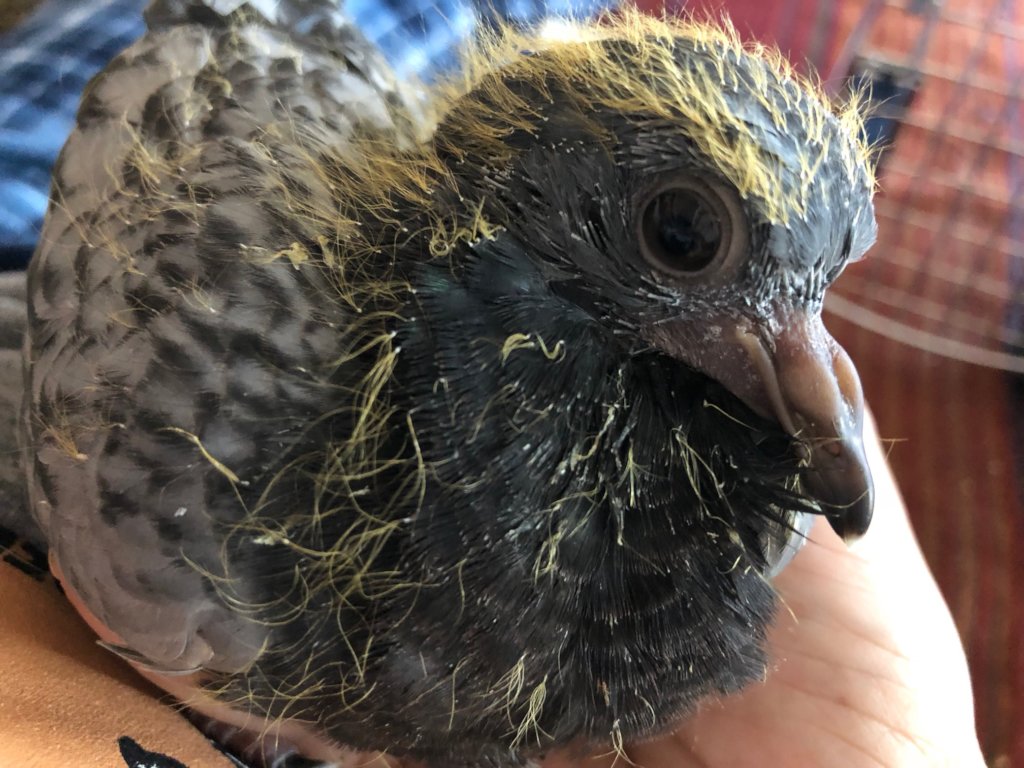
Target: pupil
point(686, 232)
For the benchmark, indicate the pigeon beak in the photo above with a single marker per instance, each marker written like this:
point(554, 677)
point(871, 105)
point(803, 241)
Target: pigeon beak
point(808, 383)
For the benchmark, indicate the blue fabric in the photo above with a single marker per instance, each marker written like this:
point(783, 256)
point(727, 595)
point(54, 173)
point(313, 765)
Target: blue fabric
point(44, 64)
point(46, 61)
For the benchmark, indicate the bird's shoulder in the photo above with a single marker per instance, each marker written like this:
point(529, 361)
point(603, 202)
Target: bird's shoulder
point(182, 333)
point(196, 163)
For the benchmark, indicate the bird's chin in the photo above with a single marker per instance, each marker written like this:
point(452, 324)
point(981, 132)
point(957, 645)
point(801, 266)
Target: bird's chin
point(783, 543)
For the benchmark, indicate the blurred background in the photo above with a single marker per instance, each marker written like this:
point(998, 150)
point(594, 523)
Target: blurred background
point(933, 318)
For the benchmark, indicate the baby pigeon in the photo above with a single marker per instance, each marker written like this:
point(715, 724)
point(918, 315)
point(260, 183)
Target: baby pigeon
point(461, 424)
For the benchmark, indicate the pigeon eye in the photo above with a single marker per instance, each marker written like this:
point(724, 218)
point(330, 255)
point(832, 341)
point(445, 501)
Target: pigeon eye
point(686, 227)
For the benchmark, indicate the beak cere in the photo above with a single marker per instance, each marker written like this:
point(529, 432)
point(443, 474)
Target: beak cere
point(808, 383)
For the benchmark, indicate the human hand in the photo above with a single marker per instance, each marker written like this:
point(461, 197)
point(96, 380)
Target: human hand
point(867, 667)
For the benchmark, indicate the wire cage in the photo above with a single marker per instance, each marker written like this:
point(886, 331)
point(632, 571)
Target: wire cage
point(946, 79)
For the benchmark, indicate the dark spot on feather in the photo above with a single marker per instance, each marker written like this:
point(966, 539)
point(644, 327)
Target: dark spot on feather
point(223, 235)
point(206, 407)
point(155, 243)
point(171, 354)
point(173, 273)
point(115, 505)
point(51, 279)
point(256, 346)
point(147, 301)
point(149, 420)
point(200, 193)
point(92, 108)
point(168, 529)
point(198, 326)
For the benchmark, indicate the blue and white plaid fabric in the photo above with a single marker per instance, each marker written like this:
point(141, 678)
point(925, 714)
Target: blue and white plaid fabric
point(46, 61)
point(44, 64)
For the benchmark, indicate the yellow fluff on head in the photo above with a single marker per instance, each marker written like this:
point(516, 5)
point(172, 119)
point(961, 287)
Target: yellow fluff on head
point(644, 77)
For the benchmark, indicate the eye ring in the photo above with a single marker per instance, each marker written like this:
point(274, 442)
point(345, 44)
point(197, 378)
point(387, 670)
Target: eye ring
point(689, 229)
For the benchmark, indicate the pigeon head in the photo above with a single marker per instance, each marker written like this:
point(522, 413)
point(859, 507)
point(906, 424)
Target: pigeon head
point(692, 196)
